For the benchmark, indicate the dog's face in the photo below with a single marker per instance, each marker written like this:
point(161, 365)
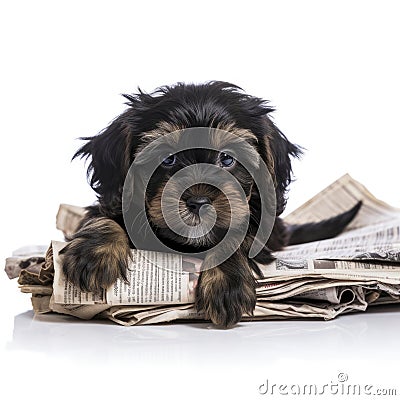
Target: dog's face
point(189, 198)
point(230, 133)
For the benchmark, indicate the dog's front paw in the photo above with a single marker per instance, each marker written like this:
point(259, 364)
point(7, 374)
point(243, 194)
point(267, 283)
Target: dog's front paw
point(225, 298)
point(97, 255)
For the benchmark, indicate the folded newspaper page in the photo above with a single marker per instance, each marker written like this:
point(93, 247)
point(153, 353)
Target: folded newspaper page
point(322, 279)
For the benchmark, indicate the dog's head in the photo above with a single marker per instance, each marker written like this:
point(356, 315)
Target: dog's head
point(203, 142)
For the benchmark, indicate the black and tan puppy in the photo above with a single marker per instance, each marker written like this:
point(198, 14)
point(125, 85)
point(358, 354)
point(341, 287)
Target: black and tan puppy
point(98, 253)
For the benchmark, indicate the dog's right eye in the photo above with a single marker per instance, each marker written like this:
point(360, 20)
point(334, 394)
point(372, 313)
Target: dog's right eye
point(169, 161)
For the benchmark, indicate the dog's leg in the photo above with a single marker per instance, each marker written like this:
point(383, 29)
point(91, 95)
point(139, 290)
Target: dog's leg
point(227, 291)
point(96, 255)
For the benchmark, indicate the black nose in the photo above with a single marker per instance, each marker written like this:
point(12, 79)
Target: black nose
point(194, 203)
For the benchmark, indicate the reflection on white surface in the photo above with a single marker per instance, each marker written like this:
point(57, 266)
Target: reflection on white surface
point(96, 358)
point(348, 335)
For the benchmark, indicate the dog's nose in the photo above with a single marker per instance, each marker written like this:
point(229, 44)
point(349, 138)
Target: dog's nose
point(194, 203)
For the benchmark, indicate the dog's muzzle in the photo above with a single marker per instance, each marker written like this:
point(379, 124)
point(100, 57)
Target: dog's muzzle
point(195, 203)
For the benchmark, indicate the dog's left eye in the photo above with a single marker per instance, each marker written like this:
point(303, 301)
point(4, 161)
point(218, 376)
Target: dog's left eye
point(169, 161)
point(225, 160)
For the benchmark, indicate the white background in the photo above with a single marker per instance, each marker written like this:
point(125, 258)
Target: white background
point(331, 69)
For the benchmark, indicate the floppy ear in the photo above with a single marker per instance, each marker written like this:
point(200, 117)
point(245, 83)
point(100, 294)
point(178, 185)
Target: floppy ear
point(276, 152)
point(281, 151)
point(110, 154)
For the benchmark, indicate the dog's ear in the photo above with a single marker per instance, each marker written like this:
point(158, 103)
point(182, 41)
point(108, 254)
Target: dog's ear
point(265, 205)
point(279, 151)
point(110, 157)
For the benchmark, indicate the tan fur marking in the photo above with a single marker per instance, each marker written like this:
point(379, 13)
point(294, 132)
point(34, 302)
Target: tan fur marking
point(212, 278)
point(163, 128)
point(222, 136)
point(270, 158)
point(239, 132)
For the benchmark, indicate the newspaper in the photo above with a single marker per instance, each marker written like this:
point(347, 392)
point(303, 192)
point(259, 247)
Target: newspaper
point(323, 279)
point(68, 218)
point(152, 278)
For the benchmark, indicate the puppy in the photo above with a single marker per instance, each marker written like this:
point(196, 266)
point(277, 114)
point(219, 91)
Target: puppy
point(236, 137)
